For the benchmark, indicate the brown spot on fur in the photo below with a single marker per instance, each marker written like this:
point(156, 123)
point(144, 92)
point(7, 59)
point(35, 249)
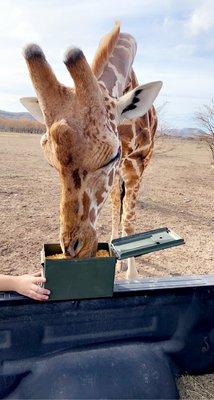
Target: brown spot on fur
point(130, 175)
point(111, 176)
point(99, 196)
point(150, 117)
point(86, 205)
point(92, 215)
point(128, 164)
point(113, 104)
point(68, 160)
point(111, 116)
point(137, 154)
point(76, 178)
point(87, 132)
point(85, 173)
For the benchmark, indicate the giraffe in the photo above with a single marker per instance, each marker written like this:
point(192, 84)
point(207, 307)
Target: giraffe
point(97, 133)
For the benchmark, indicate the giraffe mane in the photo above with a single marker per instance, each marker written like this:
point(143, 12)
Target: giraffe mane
point(104, 50)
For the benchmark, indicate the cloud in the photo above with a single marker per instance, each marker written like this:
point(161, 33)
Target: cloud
point(202, 18)
point(14, 25)
point(185, 50)
point(173, 45)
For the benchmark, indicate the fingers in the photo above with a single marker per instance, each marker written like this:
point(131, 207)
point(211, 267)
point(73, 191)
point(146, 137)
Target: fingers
point(39, 289)
point(39, 293)
point(39, 279)
point(37, 296)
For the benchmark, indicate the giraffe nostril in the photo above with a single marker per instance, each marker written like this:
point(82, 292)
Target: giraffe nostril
point(76, 244)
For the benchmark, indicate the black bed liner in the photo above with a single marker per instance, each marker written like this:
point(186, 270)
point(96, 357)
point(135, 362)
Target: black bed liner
point(133, 345)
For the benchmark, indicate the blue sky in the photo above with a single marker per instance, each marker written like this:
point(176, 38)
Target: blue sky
point(175, 44)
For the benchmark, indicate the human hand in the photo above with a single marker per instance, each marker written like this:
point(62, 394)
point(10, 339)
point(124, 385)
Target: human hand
point(29, 285)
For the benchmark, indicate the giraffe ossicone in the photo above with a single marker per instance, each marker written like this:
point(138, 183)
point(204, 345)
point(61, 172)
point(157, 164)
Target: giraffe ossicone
point(98, 132)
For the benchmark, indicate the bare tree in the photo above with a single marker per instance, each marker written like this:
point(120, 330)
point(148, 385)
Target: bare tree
point(163, 127)
point(205, 118)
point(164, 130)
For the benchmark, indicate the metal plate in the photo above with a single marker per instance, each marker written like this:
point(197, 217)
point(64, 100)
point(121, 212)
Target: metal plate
point(163, 283)
point(143, 243)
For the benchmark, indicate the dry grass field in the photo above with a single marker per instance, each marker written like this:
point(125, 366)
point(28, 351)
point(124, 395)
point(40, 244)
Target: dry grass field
point(177, 191)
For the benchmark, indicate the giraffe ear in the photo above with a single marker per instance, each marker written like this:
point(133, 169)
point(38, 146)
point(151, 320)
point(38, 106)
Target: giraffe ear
point(138, 101)
point(32, 105)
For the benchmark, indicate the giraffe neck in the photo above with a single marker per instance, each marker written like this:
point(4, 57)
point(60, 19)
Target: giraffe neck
point(117, 71)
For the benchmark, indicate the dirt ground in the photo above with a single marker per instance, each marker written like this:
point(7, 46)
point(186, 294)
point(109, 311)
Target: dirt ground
point(177, 191)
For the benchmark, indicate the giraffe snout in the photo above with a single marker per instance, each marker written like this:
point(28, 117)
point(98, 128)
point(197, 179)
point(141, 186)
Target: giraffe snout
point(73, 248)
point(82, 245)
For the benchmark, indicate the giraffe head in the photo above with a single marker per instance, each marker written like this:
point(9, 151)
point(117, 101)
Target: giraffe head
point(81, 140)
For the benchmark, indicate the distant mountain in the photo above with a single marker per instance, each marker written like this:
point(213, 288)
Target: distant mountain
point(185, 132)
point(191, 132)
point(16, 115)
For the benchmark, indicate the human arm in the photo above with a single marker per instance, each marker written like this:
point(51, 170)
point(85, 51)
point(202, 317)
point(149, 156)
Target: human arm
point(27, 285)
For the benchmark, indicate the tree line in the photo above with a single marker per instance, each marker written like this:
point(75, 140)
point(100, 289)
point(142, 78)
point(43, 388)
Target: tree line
point(21, 125)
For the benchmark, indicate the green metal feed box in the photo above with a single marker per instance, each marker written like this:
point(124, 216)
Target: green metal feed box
point(94, 277)
point(78, 278)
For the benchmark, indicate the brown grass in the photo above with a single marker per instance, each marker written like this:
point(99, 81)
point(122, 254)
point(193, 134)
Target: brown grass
point(177, 191)
point(196, 387)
